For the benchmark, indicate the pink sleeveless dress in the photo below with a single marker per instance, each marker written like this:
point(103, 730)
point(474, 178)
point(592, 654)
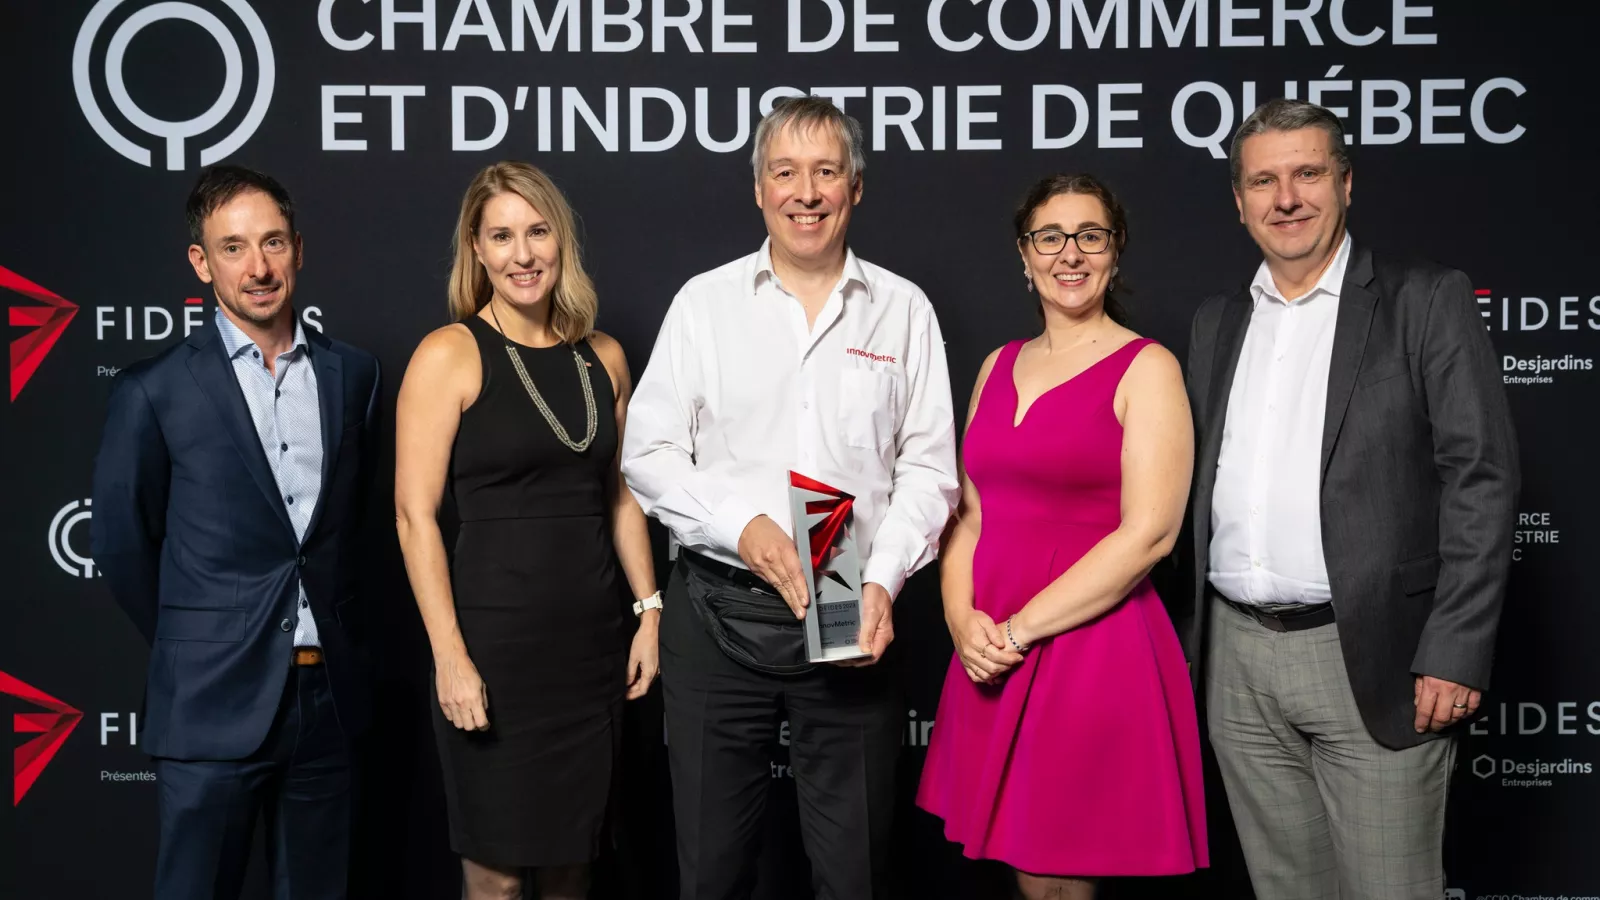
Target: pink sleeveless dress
point(1085, 759)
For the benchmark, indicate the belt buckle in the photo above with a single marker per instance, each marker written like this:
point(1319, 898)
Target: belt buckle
point(1265, 620)
point(1271, 622)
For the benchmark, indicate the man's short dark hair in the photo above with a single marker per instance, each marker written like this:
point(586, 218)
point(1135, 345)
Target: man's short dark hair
point(1281, 114)
point(218, 185)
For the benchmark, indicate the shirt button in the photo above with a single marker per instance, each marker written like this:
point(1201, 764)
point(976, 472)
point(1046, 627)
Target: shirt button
point(284, 447)
point(805, 404)
point(276, 392)
point(1256, 563)
point(256, 353)
point(1255, 510)
point(304, 603)
point(290, 499)
point(286, 625)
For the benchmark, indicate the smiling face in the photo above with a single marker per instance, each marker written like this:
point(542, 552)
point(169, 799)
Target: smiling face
point(1291, 195)
point(518, 250)
point(250, 257)
point(806, 194)
point(1071, 281)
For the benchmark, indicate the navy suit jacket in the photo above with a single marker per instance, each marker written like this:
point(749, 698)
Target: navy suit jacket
point(191, 534)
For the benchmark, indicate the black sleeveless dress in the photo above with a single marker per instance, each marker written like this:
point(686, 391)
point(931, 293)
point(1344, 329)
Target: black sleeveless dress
point(542, 605)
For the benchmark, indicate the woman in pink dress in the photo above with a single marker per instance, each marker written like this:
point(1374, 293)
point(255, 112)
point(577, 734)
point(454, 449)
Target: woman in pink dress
point(1067, 745)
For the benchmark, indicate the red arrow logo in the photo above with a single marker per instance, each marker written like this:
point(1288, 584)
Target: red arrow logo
point(51, 727)
point(47, 322)
point(825, 534)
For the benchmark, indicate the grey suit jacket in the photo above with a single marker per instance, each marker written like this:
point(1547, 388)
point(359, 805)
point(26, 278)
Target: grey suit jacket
point(1419, 480)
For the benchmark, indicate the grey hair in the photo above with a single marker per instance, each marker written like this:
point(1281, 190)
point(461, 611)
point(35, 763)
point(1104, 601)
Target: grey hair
point(806, 113)
point(1281, 114)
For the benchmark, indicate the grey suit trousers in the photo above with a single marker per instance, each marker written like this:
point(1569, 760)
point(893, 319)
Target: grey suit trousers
point(1324, 812)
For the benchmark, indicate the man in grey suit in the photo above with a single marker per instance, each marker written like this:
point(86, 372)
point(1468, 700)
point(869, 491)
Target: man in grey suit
point(1352, 521)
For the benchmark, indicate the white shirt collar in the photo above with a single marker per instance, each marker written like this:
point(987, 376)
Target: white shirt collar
point(852, 269)
point(236, 341)
point(1331, 282)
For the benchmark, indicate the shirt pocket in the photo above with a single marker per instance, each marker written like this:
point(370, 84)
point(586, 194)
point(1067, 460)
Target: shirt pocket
point(867, 408)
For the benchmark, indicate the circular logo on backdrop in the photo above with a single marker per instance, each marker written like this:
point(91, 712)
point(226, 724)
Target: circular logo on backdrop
point(172, 135)
point(68, 517)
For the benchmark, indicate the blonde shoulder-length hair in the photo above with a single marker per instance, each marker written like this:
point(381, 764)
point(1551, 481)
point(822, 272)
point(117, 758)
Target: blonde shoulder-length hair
point(573, 303)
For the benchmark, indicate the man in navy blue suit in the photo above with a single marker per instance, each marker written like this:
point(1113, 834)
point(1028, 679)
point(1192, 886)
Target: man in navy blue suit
point(227, 494)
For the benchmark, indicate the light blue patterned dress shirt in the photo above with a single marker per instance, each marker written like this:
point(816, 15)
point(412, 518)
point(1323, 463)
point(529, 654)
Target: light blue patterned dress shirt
point(288, 420)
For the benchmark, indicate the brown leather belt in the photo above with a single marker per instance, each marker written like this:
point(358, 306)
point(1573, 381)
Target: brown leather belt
point(307, 656)
point(1284, 617)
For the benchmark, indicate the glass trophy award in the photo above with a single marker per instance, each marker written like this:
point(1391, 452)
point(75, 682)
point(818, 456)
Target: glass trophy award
point(824, 536)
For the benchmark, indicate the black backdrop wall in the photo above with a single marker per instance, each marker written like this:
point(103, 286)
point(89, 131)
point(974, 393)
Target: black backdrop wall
point(1473, 138)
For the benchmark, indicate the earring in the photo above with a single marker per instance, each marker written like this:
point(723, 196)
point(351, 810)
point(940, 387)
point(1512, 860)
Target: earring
point(1028, 277)
point(1115, 270)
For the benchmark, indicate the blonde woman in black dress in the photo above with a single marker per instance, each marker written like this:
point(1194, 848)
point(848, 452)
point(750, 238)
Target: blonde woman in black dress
point(517, 410)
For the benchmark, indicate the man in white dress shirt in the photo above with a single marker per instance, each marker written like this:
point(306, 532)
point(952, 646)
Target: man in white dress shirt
point(797, 357)
point(1354, 501)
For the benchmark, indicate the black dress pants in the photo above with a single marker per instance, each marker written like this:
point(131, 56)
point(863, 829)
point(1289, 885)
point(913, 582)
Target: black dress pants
point(721, 720)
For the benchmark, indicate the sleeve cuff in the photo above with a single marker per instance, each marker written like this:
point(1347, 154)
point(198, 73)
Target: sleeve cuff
point(884, 570)
point(729, 522)
point(1452, 666)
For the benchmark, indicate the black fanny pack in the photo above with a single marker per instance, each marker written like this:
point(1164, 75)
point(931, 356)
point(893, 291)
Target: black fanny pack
point(748, 620)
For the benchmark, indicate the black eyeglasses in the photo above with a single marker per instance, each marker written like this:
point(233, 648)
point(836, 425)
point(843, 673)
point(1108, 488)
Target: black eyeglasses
point(1049, 241)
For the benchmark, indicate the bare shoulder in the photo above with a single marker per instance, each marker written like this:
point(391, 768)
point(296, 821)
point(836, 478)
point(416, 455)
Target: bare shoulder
point(443, 345)
point(615, 362)
point(983, 379)
point(1153, 384)
point(985, 369)
point(446, 360)
point(611, 356)
point(608, 349)
point(1155, 363)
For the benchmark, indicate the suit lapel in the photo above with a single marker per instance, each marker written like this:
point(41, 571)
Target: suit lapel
point(213, 372)
point(1225, 349)
point(329, 369)
point(1230, 341)
point(1354, 320)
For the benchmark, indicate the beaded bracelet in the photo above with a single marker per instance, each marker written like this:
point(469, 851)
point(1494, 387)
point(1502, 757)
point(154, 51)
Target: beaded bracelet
point(1019, 648)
